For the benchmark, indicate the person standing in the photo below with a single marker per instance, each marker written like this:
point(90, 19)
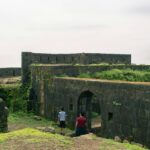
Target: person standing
point(81, 125)
point(62, 120)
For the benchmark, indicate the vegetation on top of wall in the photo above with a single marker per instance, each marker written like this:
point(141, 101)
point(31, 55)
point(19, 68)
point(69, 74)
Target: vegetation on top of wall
point(15, 96)
point(100, 64)
point(61, 75)
point(118, 74)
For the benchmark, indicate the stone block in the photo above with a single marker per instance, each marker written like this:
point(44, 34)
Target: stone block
point(3, 116)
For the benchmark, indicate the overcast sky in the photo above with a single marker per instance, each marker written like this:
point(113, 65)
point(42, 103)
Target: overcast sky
point(74, 26)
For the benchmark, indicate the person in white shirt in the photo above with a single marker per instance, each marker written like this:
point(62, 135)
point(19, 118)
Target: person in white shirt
point(62, 120)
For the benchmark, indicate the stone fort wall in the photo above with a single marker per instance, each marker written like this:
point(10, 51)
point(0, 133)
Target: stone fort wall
point(124, 105)
point(29, 58)
point(10, 72)
point(43, 71)
point(3, 116)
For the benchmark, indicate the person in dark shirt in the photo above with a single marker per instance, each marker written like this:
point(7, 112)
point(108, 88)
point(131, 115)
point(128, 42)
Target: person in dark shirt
point(81, 125)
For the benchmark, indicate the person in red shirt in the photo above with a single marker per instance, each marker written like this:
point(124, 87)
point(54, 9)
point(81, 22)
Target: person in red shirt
point(80, 125)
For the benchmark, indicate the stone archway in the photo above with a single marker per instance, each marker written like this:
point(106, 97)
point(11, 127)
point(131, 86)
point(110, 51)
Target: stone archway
point(85, 105)
point(89, 104)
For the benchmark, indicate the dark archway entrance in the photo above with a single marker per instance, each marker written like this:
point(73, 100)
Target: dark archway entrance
point(88, 104)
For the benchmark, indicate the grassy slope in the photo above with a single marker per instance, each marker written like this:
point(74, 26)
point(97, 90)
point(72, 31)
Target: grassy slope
point(22, 120)
point(24, 136)
point(33, 139)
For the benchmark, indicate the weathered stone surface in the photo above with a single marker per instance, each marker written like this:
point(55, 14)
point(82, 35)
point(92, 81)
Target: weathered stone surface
point(29, 58)
point(38, 72)
point(3, 116)
point(10, 72)
point(123, 105)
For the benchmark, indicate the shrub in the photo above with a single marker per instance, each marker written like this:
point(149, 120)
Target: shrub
point(118, 74)
point(15, 96)
point(84, 75)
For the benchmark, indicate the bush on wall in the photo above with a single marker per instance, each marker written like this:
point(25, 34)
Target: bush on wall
point(118, 74)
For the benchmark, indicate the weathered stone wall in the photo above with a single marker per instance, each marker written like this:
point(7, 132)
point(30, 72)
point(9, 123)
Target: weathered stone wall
point(81, 58)
point(10, 72)
point(3, 116)
point(40, 71)
point(125, 106)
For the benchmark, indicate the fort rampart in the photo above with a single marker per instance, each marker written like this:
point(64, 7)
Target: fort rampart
point(124, 106)
point(10, 72)
point(29, 58)
point(41, 70)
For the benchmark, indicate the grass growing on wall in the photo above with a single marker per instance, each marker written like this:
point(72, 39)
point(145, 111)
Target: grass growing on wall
point(117, 74)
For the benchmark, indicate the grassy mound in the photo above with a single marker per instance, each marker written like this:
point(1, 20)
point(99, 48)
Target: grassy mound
point(33, 138)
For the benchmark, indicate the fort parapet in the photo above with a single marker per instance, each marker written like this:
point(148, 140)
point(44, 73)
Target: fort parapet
point(10, 72)
point(29, 58)
point(123, 106)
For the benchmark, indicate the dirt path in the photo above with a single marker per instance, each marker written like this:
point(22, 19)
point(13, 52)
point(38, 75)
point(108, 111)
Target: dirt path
point(86, 142)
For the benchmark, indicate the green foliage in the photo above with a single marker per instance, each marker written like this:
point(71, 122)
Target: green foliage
point(15, 96)
point(95, 114)
point(84, 75)
point(101, 64)
point(117, 74)
point(61, 75)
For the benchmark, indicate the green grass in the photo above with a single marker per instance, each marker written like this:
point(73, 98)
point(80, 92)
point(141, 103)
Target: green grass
point(21, 120)
point(35, 136)
point(24, 133)
point(94, 114)
point(108, 144)
point(28, 120)
point(118, 74)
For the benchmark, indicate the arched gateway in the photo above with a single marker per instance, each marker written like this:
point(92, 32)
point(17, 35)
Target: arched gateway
point(88, 104)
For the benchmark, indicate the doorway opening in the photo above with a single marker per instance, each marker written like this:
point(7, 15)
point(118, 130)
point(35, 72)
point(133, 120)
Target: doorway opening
point(96, 114)
point(89, 105)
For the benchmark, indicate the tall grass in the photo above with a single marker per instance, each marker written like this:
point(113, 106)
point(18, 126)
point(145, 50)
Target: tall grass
point(117, 74)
